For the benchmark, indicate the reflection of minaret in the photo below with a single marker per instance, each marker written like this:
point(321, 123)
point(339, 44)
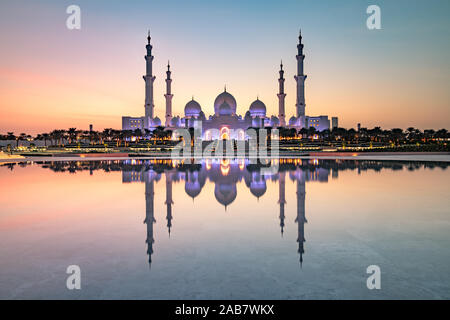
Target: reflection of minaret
point(149, 218)
point(301, 219)
point(282, 199)
point(169, 201)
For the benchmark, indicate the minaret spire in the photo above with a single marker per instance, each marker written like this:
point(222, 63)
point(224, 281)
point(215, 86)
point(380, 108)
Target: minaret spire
point(168, 96)
point(169, 200)
point(281, 98)
point(300, 78)
point(282, 198)
point(149, 218)
point(149, 79)
point(301, 218)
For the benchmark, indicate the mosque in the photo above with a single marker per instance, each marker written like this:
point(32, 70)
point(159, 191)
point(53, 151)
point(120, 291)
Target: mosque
point(225, 123)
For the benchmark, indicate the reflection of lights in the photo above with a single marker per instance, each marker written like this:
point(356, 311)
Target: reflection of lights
point(225, 166)
point(208, 164)
point(241, 135)
point(133, 161)
point(241, 164)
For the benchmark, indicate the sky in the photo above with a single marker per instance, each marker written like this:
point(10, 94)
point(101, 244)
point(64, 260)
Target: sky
point(53, 78)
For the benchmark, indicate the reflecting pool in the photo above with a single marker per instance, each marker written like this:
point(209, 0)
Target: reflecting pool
point(225, 229)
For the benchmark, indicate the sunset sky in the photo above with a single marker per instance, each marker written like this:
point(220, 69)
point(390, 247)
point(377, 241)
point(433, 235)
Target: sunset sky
point(52, 77)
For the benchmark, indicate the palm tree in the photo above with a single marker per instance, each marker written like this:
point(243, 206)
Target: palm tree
point(20, 138)
point(410, 131)
point(106, 135)
point(72, 132)
point(57, 136)
point(45, 137)
point(11, 136)
point(311, 131)
point(303, 132)
point(138, 134)
point(429, 134)
point(442, 134)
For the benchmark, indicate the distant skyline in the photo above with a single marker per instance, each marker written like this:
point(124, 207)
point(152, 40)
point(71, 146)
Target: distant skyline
point(52, 77)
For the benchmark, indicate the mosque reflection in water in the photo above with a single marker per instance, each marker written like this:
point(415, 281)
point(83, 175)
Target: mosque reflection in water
point(226, 174)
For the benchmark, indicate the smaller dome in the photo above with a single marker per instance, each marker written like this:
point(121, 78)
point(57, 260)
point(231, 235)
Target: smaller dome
point(192, 109)
point(175, 121)
point(292, 121)
point(192, 189)
point(274, 121)
point(258, 188)
point(156, 122)
point(225, 109)
point(257, 108)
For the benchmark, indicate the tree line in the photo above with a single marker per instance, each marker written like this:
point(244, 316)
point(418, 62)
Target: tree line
point(73, 136)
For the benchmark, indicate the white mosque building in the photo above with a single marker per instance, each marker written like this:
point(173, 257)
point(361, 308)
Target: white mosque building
point(225, 123)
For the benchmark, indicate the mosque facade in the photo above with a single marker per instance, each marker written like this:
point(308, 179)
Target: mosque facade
point(225, 123)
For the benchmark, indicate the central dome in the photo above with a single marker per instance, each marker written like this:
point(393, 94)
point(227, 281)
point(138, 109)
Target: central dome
point(225, 193)
point(225, 110)
point(192, 109)
point(225, 97)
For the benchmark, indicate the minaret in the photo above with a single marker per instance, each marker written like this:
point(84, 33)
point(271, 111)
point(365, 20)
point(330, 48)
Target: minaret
point(149, 218)
point(168, 96)
point(169, 200)
point(281, 97)
point(301, 219)
point(282, 199)
point(149, 79)
point(300, 78)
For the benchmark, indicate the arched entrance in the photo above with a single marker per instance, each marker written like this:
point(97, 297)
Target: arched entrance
point(225, 133)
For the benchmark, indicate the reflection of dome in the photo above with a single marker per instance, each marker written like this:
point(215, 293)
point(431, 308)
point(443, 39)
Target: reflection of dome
point(225, 97)
point(258, 188)
point(192, 189)
point(192, 109)
point(257, 108)
point(225, 193)
point(225, 109)
point(292, 121)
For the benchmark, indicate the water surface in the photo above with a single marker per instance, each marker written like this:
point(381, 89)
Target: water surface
point(222, 229)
